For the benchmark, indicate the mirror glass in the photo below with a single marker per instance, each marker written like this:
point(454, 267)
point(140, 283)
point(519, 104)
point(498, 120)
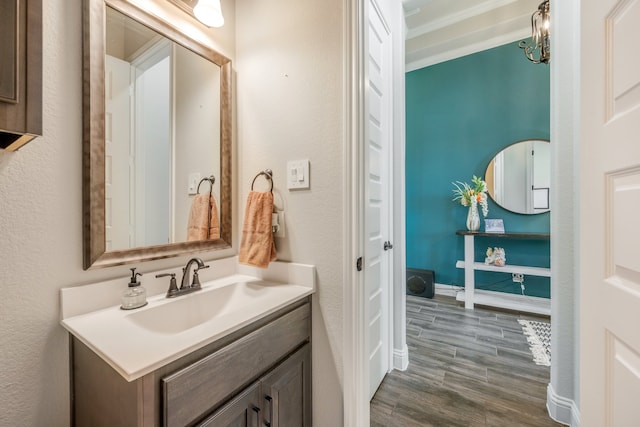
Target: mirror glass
point(519, 177)
point(157, 121)
point(162, 134)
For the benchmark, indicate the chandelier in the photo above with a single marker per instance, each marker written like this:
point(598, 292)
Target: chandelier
point(538, 49)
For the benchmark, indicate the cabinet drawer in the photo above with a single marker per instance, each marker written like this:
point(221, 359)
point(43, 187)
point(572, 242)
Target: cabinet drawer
point(195, 390)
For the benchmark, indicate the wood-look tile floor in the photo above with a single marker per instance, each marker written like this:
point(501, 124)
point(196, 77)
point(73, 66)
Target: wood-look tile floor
point(466, 368)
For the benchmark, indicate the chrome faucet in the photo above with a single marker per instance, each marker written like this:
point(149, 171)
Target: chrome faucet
point(185, 286)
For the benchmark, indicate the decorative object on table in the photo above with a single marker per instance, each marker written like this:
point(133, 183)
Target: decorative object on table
point(496, 256)
point(493, 226)
point(539, 338)
point(471, 196)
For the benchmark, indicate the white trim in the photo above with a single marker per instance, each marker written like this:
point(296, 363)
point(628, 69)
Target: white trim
point(561, 409)
point(355, 404)
point(460, 16)
point(398, 318)
point(401, 358)
point(447, 290)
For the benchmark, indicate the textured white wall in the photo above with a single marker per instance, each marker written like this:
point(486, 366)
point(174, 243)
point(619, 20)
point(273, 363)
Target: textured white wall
point(290, 107)
point(41, 231)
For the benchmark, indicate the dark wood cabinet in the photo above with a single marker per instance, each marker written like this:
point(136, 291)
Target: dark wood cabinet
point(20, 72)
point(257, 376)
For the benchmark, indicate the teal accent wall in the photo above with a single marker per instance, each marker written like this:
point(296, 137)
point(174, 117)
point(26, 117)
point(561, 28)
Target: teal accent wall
point(460, 114)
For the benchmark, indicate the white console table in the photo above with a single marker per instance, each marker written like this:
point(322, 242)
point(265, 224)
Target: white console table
point(470, 266)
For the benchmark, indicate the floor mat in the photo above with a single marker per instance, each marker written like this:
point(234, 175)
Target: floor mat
point(539, 337)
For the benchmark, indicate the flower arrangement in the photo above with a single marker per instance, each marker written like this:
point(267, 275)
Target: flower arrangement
point(471, 196)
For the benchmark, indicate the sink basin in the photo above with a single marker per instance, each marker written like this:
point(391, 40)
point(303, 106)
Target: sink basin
point(176, 315)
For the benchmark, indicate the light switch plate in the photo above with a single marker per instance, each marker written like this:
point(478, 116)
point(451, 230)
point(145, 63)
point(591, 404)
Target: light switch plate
point(298, 177)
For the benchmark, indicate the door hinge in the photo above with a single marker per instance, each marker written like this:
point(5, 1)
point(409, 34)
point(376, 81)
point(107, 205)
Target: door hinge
point(359, 264)
point(387, 245)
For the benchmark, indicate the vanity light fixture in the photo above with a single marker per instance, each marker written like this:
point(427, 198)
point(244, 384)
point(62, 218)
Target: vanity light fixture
point(209, 12)
point(538, 49)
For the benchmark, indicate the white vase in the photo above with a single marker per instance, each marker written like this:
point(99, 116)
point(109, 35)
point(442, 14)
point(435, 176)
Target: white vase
point(473, 219)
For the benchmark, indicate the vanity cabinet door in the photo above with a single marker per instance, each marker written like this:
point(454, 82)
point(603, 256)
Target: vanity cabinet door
point(286, 392)
point(242, 411)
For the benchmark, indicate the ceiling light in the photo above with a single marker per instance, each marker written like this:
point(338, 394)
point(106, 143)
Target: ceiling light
point(209, 12)
point(538, 49)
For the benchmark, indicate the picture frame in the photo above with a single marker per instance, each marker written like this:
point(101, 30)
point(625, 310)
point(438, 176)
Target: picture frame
point(493, 225)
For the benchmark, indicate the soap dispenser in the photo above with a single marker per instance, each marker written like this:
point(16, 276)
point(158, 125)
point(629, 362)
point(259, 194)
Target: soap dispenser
point(134, 296)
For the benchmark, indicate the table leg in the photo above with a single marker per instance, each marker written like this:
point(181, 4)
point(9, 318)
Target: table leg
point(469, 275)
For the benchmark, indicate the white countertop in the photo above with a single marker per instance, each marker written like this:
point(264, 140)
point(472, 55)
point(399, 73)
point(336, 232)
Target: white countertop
point(137, 342)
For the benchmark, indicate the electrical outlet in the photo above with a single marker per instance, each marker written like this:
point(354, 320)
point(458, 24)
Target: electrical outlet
point(280, 231)
point(517, 277)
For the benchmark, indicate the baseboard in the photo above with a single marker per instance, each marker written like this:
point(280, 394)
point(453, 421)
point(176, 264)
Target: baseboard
point(448, 290)
point(401, 358)
point(561, 409)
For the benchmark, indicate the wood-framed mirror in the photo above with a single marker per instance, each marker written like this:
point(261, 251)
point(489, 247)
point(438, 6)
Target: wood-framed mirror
point(194, 127)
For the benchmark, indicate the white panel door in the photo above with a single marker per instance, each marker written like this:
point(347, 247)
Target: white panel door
point(117, 153)
point(377, 196)
point(610, 212)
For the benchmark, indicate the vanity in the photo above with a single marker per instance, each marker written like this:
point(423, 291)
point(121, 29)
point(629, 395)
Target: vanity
point(237, 352)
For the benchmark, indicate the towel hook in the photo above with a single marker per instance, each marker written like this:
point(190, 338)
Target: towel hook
point(211, 179)
point(268, 175)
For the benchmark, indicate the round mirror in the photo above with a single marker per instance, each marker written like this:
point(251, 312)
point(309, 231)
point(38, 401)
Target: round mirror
point(519, 177)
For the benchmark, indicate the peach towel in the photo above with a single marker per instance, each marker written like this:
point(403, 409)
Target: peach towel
point(256, 246)
point(203, 219)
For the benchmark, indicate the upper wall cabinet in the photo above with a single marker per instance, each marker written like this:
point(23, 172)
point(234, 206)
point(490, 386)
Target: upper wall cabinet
point(20, 72)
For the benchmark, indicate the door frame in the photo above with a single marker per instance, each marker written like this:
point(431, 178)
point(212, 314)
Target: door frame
point(355, 373)
point(562, 390)
point(562, 393)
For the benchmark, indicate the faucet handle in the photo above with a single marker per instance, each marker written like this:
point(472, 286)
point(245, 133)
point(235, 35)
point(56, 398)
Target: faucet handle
point(173, 286)
point(196, 280)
